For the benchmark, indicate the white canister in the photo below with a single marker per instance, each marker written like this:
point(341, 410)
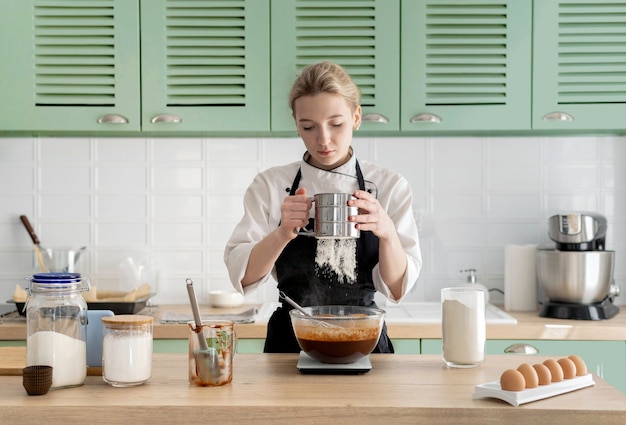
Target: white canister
point(127, 350)
point(463, 326)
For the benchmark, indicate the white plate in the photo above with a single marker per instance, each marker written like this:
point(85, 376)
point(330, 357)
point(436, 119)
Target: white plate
point(515, 398)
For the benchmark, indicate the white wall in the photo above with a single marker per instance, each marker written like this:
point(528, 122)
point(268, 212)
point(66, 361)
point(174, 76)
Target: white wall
point(177, 200)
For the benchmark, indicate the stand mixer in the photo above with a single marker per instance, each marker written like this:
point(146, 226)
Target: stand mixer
point(577, 276)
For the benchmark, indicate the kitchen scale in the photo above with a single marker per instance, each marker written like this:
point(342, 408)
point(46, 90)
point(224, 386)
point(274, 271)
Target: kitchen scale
point(307, 364)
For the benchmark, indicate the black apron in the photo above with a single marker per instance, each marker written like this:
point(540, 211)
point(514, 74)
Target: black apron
point(303, 281)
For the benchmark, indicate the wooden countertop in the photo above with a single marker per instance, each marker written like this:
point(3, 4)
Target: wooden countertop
point(529, 326)
point(268, 389)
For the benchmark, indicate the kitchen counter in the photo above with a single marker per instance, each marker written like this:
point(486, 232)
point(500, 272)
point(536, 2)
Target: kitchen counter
point(529, 326)
point(267, 388)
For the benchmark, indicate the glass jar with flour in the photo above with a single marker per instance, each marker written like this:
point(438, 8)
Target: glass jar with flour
point(56, 324)
point(463, 326)
point(127, 349)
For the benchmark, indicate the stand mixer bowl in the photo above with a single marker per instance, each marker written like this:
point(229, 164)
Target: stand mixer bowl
point(580, 277)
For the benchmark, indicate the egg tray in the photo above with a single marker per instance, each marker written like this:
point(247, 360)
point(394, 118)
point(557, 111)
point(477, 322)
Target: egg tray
point(515, 398)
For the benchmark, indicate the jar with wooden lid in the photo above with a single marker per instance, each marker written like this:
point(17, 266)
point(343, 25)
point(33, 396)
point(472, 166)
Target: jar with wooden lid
point(127, 350)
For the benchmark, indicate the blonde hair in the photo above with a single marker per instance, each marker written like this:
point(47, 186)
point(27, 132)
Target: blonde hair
point(325, 77)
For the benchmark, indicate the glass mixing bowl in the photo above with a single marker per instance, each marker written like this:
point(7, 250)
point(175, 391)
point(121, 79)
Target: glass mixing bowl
point(336, 333)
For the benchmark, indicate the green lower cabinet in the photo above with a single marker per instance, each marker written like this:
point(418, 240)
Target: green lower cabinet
point(406, 346)
point(607, 359)
point(248, 345)
point(255, 345)
point(16, 343)
point(170, 346)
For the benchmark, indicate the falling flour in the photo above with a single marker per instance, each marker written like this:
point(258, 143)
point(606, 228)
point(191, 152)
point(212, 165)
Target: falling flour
point(339, 255)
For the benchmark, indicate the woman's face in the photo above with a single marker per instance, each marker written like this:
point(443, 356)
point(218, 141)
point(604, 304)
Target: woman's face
point(325, 123)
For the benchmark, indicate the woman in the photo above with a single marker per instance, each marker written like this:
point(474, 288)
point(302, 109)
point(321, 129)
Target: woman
point(325, 106)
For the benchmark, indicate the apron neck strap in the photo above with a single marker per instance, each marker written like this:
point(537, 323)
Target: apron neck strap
point(359, 177)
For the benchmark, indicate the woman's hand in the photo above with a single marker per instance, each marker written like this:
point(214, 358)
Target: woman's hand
point(371, 215)
point(392, 259)
point(294, 213)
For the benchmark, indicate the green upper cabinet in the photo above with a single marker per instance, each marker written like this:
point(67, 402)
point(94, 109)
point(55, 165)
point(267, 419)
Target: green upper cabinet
point(579, 74)
point(76, 65)
point(225, 67)
point(361, 35)
point(205, 65)
point(466, 65)
point(69, 65)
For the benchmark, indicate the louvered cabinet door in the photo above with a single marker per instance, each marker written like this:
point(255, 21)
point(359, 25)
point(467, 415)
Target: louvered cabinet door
point(579, 75)
point(466, 65)
point(361, 35)
point(205, 65)
point(69, 65)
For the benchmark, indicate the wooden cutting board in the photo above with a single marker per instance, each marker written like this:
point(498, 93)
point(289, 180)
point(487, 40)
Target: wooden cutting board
point(13, 360)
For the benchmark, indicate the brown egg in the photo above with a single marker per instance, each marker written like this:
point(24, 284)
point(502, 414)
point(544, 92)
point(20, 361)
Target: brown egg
point(555, 370)
point(568, 366)
point(530, 375)
point(581, 367)
point(543, 373)
point(512, 380)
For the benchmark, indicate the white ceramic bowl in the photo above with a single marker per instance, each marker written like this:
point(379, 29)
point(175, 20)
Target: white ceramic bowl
point(223, 299)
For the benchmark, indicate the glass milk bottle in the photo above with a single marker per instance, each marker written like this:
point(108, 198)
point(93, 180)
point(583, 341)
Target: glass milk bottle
point(463, 326)
point(56, 326)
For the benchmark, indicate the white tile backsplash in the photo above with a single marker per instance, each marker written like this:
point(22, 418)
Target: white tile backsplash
point(174, 201)
point(121, 150)
point(513, 179)
point(121, 179)
point(171, 150)
point(173, 179)
point(116, 207)
point(177, 206)
point(16, 179)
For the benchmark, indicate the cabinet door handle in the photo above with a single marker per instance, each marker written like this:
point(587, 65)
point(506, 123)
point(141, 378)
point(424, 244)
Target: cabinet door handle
point(375, 118)
point(169, 118)
point(426, 118)
point(113, 119)
point(521, 349)
point(558, 116)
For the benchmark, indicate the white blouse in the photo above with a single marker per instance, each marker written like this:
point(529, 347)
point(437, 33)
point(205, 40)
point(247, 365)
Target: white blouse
point(265, 195)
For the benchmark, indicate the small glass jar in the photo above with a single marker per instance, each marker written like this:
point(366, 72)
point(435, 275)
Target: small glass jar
point(127, 350)
point(56, 323)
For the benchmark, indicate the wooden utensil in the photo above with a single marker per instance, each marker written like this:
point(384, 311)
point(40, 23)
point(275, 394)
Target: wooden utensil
point(35, 239)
